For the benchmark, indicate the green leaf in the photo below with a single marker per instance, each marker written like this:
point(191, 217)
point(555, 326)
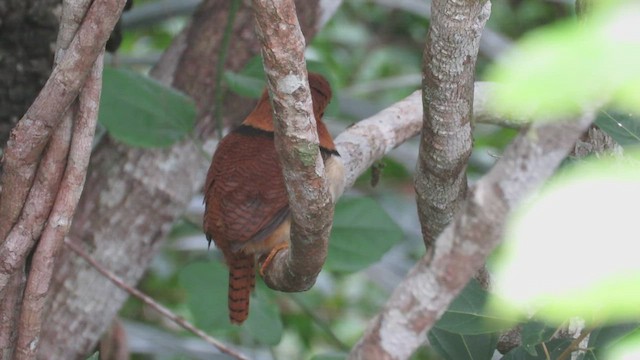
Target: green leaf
point(467, 316)
point(250, 81)
point(462, 347)
point(264, 323)
point(581, 208)
point(562, 68)
point(244, 85)
point(624, 128)
point(206, 284)
point(388, 169)
point(628, 348)
point(330, 356)
point(601, 339)
point(140, 111)
point(534, 333)
point(362, 233)
point(553, 347)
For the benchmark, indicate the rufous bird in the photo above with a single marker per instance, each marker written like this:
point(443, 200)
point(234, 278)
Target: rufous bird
point(246, 204)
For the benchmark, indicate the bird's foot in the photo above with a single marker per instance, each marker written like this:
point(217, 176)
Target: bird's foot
point(271, 255)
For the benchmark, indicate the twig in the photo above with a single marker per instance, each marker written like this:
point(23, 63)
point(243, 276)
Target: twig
point(321, 324)
point(547, 356)
point(152, 303)
point(152, 13)
point(575, 344)
point(296, 140)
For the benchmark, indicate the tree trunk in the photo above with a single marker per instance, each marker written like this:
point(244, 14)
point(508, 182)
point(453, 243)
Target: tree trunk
point(29, 29)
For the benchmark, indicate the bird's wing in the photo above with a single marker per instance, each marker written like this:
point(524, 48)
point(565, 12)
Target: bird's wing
point(245, 195)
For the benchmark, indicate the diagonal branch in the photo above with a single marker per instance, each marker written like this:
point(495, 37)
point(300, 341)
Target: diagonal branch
point(296, 141)
point(151, 303)
point(445, 145)
point(422, 297)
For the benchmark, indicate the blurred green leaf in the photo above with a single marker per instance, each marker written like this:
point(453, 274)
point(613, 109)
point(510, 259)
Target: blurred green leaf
point(139, 111)
point(577, 210)
point(558, 70)
point(452, 346)
point(624, 128)
point(250, 81)
point(553, 347)
point(388, 170)
point(244, 85)
point(362, 233)
point(626, 349)
point(322, 69)
point(330, 356)
point(183, 227)
point(533, 333)
point(264, 323)
point(466, 314)
point(206, 284)
point(601, 339)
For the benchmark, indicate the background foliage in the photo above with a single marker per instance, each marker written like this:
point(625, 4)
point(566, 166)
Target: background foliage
point(372, 53)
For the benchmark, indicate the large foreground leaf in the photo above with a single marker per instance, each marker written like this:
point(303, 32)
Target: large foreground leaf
point(139, 111)
point(452, 346)
point(467, 315)
point(362, 233)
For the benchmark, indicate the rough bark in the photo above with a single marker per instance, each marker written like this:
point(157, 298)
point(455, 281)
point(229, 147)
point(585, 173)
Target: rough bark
point(30, 136)
point(448, 78)
point(132, 196)
point(296, 140)
point(53, 126)
point(42, 263)
point(29, 29)
point(426, 292)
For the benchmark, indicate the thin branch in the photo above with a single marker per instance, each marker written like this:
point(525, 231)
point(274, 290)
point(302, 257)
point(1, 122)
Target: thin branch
point(575, 344)
point(152, 303)
point(426, 292)
point(448, 85)
point(32, 133)
point(320, 323)
point(370, 139)
point(151, 13)
point(296, 139)
point(59, 222)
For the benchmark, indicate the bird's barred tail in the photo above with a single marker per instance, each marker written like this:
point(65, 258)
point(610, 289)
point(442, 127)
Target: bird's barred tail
point(242, 279)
